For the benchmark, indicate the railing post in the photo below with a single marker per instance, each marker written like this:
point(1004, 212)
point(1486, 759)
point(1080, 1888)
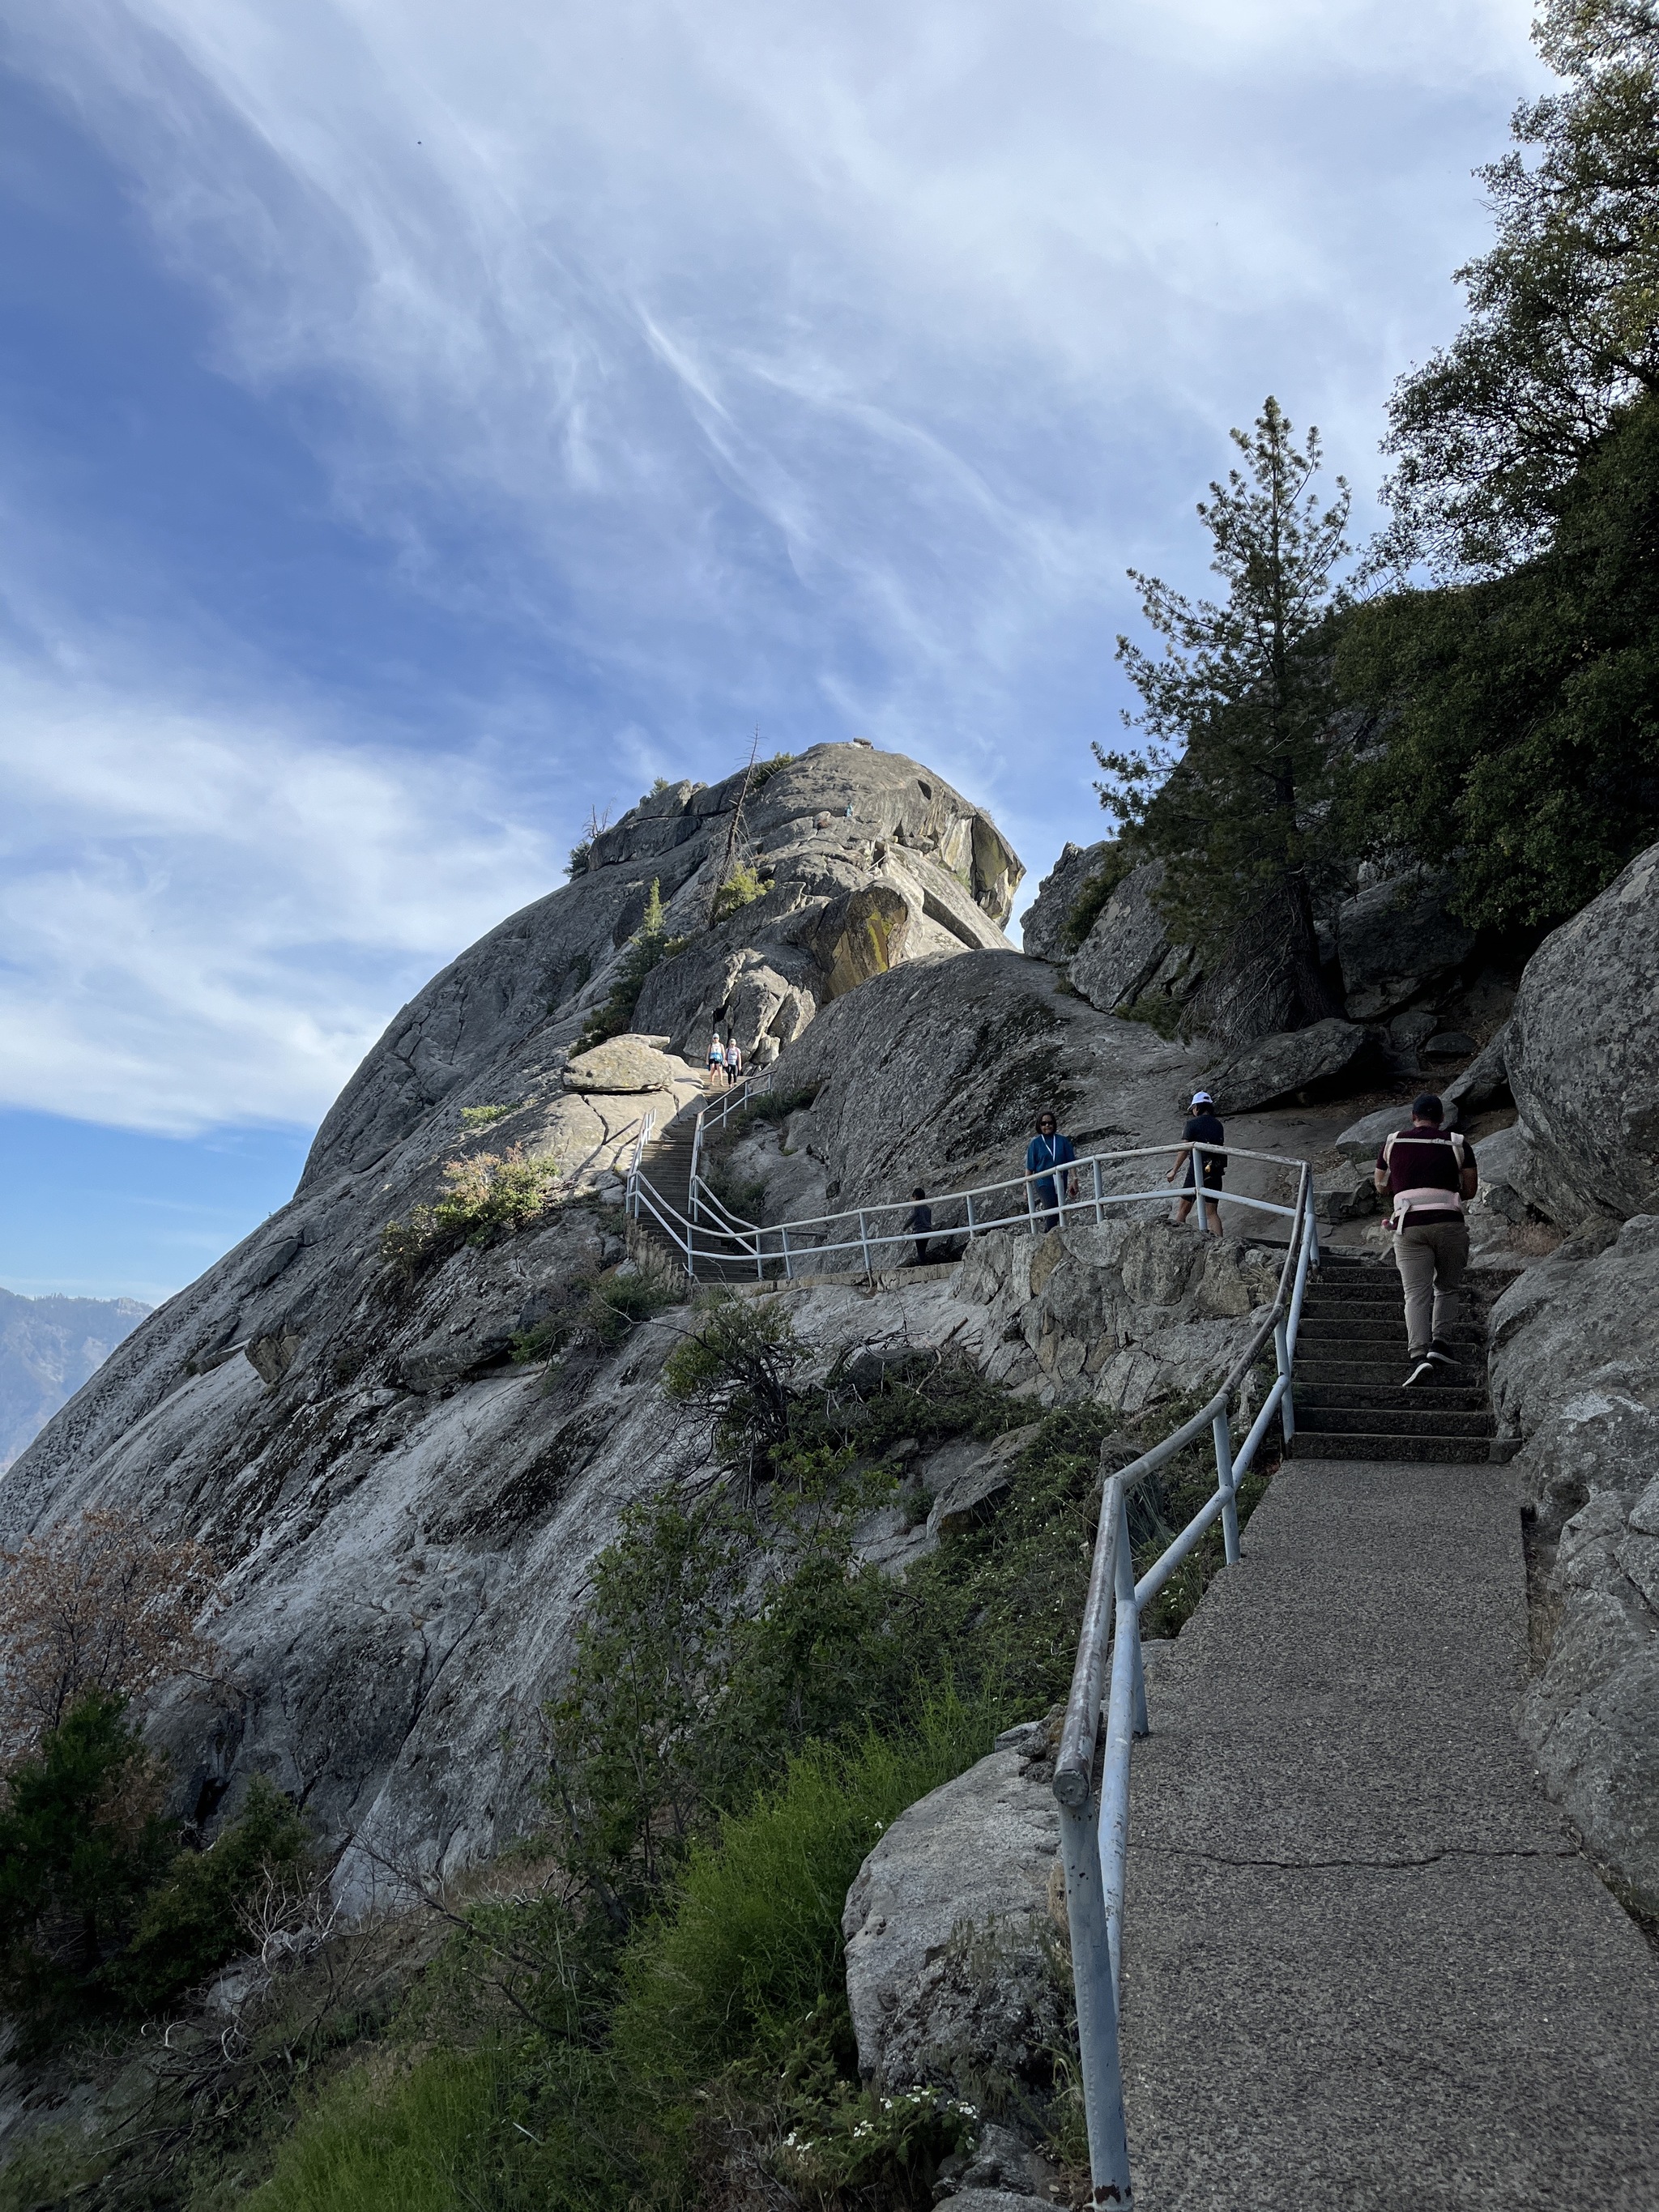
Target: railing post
point(1224, 1473)
point(789, 1264)
point(1282, 1357)
point(1099, 1214)
point(864, 1239)
point(1197, 1162)
point(1096, 2004)
point(971, 1216)
point(1124, 1582)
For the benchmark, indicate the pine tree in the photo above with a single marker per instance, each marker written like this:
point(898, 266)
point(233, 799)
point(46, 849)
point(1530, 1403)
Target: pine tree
point(1562, 333)
point(1233, 790)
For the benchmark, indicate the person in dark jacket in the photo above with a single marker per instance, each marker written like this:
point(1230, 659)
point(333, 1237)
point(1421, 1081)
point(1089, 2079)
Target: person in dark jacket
point(1203, 1127)
point(921, 1225)
point(1048, 1150)
point(1430, 1172)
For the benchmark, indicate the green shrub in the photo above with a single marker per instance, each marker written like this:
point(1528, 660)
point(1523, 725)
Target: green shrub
point(480, 1117)
point(741, 888)
point(192, 1922)
point(605, 1311)
point(1157, 1010)
point(737, 1366)
point(486, 1193)
point(775, 1105)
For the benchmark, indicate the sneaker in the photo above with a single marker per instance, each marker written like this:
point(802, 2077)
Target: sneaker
point(1441, 1353)
point(1424, 1371)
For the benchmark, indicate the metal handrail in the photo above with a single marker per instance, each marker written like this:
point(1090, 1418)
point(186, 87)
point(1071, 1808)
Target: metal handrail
point(715, 1117)
point(1095, 1830)
point(711, 1231)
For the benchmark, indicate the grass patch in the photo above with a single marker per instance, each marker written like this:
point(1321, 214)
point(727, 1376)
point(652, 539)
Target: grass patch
point(424, 2137)
point(480, 1117)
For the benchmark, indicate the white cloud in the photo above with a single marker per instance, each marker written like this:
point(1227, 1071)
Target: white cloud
point(208, 917)
point(827, 363)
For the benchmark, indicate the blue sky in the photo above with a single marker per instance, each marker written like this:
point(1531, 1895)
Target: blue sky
point(420, 424)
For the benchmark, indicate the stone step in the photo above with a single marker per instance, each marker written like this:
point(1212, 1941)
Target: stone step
point(1320, 1329)
point(1403, 1418)
point(1353, 1376)
point(1373, 1445)
point(1346, 1396)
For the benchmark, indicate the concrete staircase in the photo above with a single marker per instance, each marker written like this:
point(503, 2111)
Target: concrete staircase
point(667, 1168)
point(1351, 1363)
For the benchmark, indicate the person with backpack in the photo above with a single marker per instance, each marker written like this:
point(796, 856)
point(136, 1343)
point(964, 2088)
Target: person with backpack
point(1203, 1127)
point(1048, 1150)
point(1429, 1171)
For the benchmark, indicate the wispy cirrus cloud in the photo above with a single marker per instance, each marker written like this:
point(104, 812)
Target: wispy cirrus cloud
point(631, 374)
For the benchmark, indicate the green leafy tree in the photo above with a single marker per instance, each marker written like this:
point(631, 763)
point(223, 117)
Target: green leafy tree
point(1523, 712)
point(1562, 333)
point(1233, 790)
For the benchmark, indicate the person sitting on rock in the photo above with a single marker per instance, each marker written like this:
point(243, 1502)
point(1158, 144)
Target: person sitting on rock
point(1203, 1127)
point(1048, 1150)
point(716, 1060)
point(1430, 1171)
point(921, 1225)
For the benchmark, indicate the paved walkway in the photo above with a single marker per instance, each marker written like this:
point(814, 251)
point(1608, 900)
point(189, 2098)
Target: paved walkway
point(1366, 1967)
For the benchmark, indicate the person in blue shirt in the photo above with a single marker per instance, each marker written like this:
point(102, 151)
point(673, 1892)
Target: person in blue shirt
point(1048, 1149)
point(1203, 1127)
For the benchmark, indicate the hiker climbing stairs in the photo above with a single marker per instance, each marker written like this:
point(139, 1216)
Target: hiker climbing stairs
point(1352, 1366)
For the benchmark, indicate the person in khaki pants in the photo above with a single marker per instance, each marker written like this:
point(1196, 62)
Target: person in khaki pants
point(1430, 1172)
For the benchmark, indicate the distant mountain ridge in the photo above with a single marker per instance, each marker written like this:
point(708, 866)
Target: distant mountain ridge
point(48, 1347)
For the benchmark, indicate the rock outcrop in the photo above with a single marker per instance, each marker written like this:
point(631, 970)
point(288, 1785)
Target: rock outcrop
point(1582, 1051)
point(1045, 929)
point(1394, 940)
point(1292, 1064)
point(1127, 946)
point(842, 828)
point(1575, 1372)
point(951, 1926)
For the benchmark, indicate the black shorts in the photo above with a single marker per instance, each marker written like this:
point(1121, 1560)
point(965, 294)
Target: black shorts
point(1213, 1176)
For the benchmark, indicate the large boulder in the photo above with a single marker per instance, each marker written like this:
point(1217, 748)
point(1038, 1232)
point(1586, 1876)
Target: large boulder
point(1582, 1051)
point(1318, 1057)
point(1575, 1376)
point(950, 1924)
point(1043, 928)
point(625, 1064)
point(1127, 945)
point(861, 935)
point(1395, 939)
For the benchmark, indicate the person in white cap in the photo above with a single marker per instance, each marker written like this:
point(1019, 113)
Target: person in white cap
point(1203, 1127)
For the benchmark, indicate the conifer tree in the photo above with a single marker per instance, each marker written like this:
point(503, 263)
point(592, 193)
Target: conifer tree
point(1562, 333)
point(1232, 791)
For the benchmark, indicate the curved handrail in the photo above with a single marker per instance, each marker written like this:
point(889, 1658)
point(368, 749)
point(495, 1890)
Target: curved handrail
point(711, 1231)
